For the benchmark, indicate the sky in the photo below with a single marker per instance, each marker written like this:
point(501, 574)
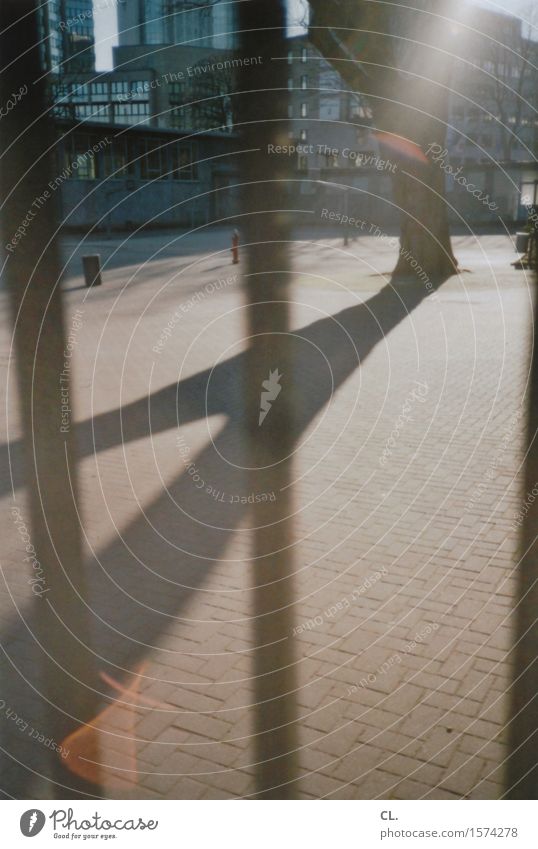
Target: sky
point(105, 17)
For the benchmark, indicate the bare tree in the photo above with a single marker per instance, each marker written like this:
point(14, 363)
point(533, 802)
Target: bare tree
point(400, 58)
point(512, 82)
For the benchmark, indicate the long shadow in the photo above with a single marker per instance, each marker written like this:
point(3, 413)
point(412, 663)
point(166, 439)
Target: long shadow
point(141, 584)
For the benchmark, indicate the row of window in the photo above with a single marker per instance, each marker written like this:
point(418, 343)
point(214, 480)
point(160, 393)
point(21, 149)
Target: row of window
point(361, 136)
point(474, 113)
point(142, 158)
point(329, 108)
point(106, 113)
point(501, 70)
point(97, 92)
point(303, 82)
point(301, 55)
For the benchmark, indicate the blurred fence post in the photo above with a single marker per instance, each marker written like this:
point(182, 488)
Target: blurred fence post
point(59, 618)
point(266, 228)
point(522, 767)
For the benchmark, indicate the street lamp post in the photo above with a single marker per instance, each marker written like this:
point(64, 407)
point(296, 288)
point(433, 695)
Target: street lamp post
point(345, 189)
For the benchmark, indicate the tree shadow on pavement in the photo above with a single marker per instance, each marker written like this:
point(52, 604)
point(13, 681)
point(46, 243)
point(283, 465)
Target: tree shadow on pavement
point(140, 584)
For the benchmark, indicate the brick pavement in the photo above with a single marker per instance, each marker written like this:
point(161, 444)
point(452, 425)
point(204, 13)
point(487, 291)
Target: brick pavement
point(405, 553)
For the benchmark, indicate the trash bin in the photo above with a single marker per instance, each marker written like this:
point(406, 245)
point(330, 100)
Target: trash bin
point(92, 269)
point(522, 242)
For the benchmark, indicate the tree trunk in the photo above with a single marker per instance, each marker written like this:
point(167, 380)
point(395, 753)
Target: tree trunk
point(425, 248)
point(396, 57)
point(418, 186)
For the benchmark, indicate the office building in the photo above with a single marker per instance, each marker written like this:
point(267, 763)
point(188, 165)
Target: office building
point(67, 36)
point(197, 23)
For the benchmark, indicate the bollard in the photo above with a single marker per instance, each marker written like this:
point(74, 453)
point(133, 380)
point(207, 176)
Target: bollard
point(92, 270)
point(235, 247)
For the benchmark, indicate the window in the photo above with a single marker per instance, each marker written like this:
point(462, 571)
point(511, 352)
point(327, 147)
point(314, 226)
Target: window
point(302, 163)
point(304, 81)
point(290, 57)
point(303, 135)
point(112, 159)
point(139, 86)
point(183, 161)
point(176, 93)
point(99, 91)
point(87, 112)
point(290, 83)
point(290, 111)
point(131, 113)
point(304, 110)
point(79, 91)
point(304, 54)
point(79, 159)
point(152, 162)
point(119, 89)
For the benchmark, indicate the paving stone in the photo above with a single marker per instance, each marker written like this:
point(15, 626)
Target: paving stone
point(422, 711)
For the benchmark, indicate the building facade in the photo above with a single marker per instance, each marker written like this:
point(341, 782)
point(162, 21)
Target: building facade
point(114, 97)
point(169, 165)
point(493, 106)
point(195, 22)
point(142, 178)
point(492, 125)
point(67, 36)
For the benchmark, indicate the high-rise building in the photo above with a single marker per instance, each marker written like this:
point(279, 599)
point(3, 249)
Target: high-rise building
point(67, 35)
point(197, 23)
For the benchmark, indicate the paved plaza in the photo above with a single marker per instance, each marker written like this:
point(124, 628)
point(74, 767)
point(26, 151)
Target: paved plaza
point(406, 485)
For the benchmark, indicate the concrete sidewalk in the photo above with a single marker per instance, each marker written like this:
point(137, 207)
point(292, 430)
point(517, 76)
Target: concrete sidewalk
point(406, 486)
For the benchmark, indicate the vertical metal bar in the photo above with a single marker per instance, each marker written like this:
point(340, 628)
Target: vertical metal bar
point(266, 228)
point(59, 618)
point(522, 767)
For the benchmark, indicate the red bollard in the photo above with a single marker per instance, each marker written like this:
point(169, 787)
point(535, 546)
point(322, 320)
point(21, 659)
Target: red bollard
point(235, 247)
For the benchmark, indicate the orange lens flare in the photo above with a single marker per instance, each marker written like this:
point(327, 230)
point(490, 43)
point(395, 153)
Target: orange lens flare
point(402, 147)
point(103, 751)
